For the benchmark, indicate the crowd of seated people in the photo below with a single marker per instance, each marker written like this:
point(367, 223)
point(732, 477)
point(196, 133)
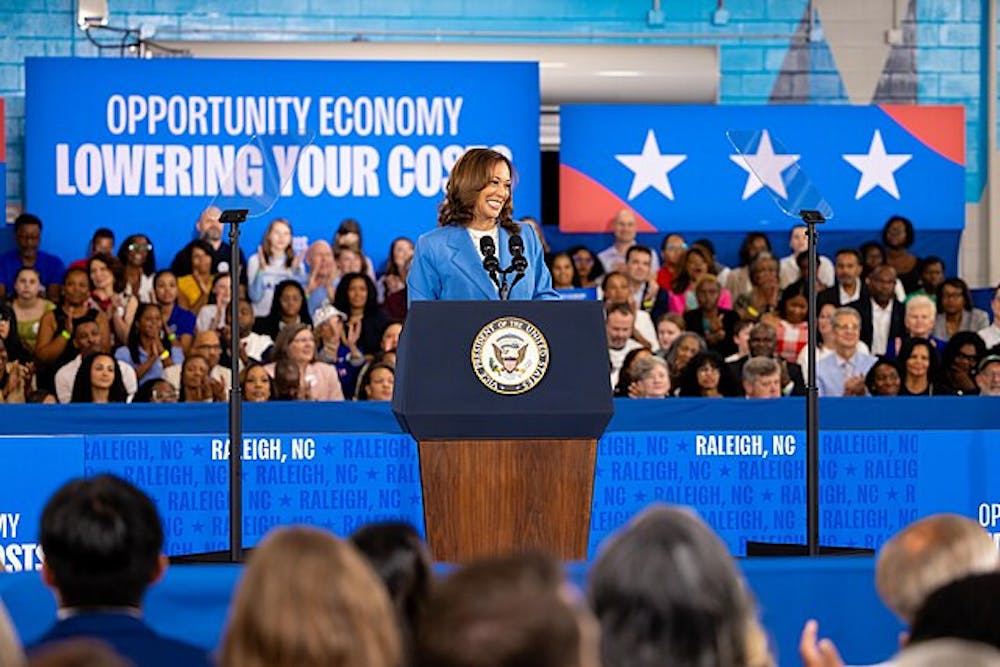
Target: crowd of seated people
point(879, 306)
point(675, 301)
point(663, 590)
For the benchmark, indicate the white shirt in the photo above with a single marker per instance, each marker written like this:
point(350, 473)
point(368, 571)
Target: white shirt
point(788, 271)
point(991, 335)
point(617, 358)
point(881, 323)
point(610, 257)
point(644, 327)
point(66, 376)
point(846, 298)
point(172, 374)
point(478, 236)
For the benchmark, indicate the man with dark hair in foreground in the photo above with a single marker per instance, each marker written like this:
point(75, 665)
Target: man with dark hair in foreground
point(102, 540)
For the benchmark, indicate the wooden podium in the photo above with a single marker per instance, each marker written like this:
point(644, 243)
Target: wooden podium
point(504, 472)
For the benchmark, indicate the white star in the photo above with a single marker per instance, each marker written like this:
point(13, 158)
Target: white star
point(877, 167)
point(766, 165)
point(650, 168)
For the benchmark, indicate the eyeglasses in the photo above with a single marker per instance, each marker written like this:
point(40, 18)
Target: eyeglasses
point(135, 247)
point(161, 395)
point(677, 246)
point(847, 327)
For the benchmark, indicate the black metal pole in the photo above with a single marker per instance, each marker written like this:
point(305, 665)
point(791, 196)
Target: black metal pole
point(235, 217)
point(812, 218)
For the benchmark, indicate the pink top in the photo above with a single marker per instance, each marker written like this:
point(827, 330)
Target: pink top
point(322, 379)
point(678, 303)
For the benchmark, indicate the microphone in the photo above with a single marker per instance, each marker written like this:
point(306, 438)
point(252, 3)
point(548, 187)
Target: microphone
point(490, 261)
point(518, 262)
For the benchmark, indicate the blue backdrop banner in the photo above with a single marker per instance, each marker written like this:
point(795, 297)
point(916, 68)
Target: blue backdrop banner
point(150, 143)
point(691, 168)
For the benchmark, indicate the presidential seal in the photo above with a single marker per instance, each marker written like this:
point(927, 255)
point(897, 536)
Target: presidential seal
point(510, 355)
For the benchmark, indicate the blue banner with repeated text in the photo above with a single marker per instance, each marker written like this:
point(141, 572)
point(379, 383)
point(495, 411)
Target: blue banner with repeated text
point(748, 485)
point(337, 481)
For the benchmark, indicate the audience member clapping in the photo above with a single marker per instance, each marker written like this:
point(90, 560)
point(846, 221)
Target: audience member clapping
point(697, 262)
point(212, 316)
point(738, 280)
point(843, 373)
point(918, 365)
point(14, 378)
point(139, 263)
point(668, 327)
point(789, 271)
point(626, 386)
point(956, 311)
point(883, 378)
point(587, 266)
point(666, 592)
point(156, 391)
point(563, 274)
point(957, 372)
point(288, 307)
point(28, 306)
point(988, 377)
point(761, 378)
point(273, 262)
point(197, 384)
point(252, 346)
point(338, 345)
point(348, 237)
point(318, 380)
point(307, 599)
point(107, 285)
point(681, 351)
point(897, 237)
point(194, 288)
point(764, 291)
point(99, 380)
point(149, 349)
point(87, 340)
point(179, 321)
point(671, 259)
point(323, 275)
point(707, 375)
point(932, 271)
point(615, 289)
point(397, 267)
point(376, 382)
point(27, 239)
point(712, 322)
point(256, 383)
point(355, 296)
point(651, 379)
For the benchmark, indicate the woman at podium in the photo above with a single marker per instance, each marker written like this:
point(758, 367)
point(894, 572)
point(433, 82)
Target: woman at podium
point(478, 251)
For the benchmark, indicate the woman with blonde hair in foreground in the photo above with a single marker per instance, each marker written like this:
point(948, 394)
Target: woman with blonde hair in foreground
point(307, 599)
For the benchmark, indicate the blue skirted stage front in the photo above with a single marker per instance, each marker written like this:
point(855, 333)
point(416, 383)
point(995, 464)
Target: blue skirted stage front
point(741, 464)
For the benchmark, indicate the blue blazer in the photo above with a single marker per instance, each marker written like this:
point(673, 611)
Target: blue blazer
point(130, 637)
point(447, 267)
